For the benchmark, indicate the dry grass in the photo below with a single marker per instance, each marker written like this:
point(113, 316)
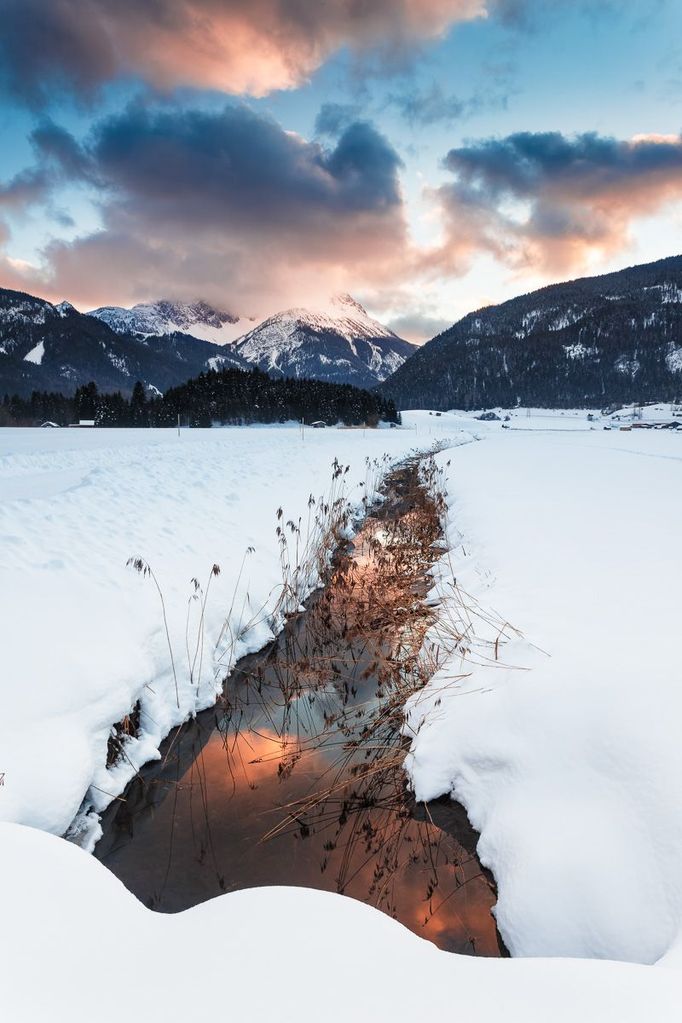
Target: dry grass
point(127, 727)
point(331, 691)
point(341, 687)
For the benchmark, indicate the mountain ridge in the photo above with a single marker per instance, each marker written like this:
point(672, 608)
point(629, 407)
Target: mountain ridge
point(165, 316)
point(340, 343)
point(50, 347)
point(585, 342)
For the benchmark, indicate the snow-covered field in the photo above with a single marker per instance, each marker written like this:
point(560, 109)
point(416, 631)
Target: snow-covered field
point(83, 635)
point(552, 420)
point(563, 742)
point(571, 770)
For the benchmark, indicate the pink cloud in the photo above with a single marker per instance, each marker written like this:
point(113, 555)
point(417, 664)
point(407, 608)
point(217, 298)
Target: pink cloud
point(551, 202)
point(238, 46)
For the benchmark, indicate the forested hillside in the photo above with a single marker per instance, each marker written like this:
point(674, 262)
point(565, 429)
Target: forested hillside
point(586, 343)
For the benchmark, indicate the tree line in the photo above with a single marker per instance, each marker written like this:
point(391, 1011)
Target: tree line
point(215, 398)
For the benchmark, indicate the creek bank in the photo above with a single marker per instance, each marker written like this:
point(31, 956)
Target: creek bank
point(295, 777)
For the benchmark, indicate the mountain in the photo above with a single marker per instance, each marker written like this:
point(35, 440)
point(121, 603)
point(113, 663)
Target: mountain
point(341, 344)
point(198, 319)
point(56, 348)
point(50, 347)
point(585, 343)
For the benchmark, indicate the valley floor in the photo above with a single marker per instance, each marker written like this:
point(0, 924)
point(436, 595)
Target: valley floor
point(554, 719)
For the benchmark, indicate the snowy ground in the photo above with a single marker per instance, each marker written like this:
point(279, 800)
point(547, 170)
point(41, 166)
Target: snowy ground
point(75, 944)
point(551, 420)
point(563, 743)
point(83, 636)
point(571, 770)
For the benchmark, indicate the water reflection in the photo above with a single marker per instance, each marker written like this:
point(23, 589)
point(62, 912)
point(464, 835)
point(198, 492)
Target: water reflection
point(295, 779)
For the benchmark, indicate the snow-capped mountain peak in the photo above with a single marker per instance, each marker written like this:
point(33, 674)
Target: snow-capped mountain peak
point(56, 348)
point(147, 319)
point(336, 341)
point(341, 313)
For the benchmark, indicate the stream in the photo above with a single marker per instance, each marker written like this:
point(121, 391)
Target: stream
point(295, 776)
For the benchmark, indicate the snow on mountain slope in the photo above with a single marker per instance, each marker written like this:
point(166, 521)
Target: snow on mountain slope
point(49, 347)
point(164, 317)
point(590, 342)
point(36, 354)
point(341, 343)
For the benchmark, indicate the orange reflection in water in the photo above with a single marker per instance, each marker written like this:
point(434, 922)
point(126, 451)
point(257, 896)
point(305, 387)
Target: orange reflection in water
point(380, 854)
point(301, 781)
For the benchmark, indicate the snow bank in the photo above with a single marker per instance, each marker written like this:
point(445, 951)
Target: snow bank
point(571, 770)
point(83, 636)
point(74, 942)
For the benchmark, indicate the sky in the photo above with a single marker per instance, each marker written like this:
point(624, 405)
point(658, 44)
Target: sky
point(428, 156)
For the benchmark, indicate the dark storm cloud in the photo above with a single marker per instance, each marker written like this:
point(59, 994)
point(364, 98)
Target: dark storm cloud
point(224, 200)
point(238, 46)
point(547, 199)
point(526, 162)
point(237, 167)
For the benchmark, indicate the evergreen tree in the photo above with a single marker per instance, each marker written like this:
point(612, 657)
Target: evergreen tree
point(228, 396)
point(138, 406)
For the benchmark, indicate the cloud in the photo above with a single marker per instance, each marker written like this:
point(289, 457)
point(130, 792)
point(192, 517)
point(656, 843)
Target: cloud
point(224, 205)
point(434, 106)
point(419, 327)
point(25, 189)
point(57, 149)
point(429, 106)
point(235, 167)
point(549, 201)
point(333, 118)
point(528, 15)
point(58, 157)
point(237, 46)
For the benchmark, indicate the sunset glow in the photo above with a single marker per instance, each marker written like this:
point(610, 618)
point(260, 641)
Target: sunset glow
point(268, 154)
